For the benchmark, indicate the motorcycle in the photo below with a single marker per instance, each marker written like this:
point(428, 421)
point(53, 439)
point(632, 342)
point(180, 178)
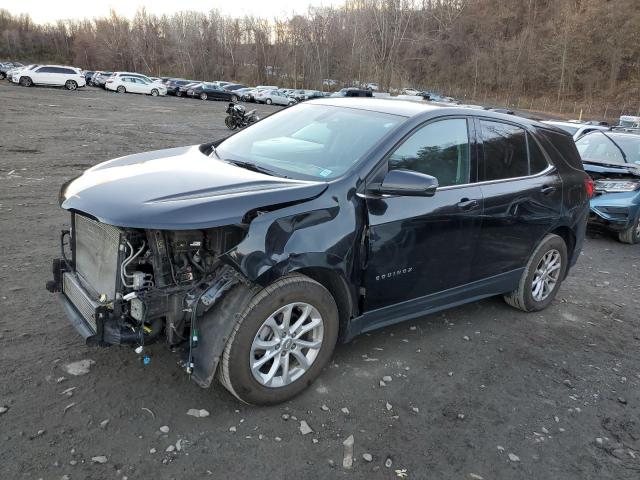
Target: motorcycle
point(238, 117)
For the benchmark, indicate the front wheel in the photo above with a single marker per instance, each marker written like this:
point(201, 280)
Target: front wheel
point(632, 234)
point(203, 96)
point(283, 339)
point(234, 98)
point(3, 75)
point(268, 101)
point(70, 85)
point(542, 276)
point(121, 89)
point(25, 81)
point(154, 92)
point(230, 122)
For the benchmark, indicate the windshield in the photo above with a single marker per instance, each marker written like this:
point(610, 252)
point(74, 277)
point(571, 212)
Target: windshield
point(309, 141)
point(606, 148)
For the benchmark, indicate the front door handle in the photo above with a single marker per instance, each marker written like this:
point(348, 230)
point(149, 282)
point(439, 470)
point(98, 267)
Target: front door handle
point(547, 189)
point(468, 204)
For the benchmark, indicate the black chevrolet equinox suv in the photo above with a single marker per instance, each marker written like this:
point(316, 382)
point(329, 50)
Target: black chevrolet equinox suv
point(253, 255)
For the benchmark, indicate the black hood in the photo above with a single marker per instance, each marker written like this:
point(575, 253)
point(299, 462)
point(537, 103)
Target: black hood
point(178, 189)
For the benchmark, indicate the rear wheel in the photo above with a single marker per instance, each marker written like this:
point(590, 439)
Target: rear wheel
point(25, 81)
point(203, 96)
point(70, 85)
point(230, 122)
point(542, 276)
point(283, 339)
point(121, 89)
point(3, 75)
point(632, 234)
point(234, 98)
point(268, 101)
point(178, 93)
point(154, 92)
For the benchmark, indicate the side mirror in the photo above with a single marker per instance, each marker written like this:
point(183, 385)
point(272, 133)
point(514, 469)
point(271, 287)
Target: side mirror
point(406, 183)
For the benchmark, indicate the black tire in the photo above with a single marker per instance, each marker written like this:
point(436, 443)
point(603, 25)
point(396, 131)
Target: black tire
point(121, 89)
point(632, 234)
point(178, 93)
point(234, 371)
point(203, 96)
point(25, 81)
point(70, 85)
point(522, 298)
point(234, 98)
point(230, 123)
point(154, 92)
point(268, 101)
point(3, 75)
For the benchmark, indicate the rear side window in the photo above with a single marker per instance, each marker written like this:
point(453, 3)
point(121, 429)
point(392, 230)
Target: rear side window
point(439, 149)
point(505, 151)
point(562, 145)
point(537, 160)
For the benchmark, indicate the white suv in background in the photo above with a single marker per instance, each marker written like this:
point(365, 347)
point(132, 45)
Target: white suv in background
point(134, 84)
point(52, 75)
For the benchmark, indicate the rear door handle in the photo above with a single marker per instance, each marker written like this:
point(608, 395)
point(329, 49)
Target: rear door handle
point(468, 204)
point(547, 189)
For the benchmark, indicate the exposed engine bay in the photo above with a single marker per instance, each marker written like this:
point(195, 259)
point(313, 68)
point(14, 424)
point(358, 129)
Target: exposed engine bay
point(134, 286)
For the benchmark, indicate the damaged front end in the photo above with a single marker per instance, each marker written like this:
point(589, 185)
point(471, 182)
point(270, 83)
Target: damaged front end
point(125, 286)
point(615, 205)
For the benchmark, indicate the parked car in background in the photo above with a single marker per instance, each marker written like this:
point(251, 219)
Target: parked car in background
point(319, 223)
point(182, 90)
point(174, 84)
point(135, 75)
point(244, 93)
point(410, 91)
point(131, 84)
point(233, 87)
point(88, 74)
point(100, 79)
point(54, 76)
point(629, 121)
point(7, 66)
point(372, 86)
point(211, 91)
point(612, 159)
point(576, 129)
point(352, 92)
point(275, 97)
point(329, 82)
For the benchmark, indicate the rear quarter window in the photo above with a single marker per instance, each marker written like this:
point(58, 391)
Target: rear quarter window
point(558, 144)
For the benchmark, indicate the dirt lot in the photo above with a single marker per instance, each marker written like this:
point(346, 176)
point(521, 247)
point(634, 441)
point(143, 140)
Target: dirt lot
point(479, 391)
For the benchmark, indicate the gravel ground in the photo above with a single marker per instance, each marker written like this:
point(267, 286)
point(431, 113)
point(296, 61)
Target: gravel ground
point(480, 391)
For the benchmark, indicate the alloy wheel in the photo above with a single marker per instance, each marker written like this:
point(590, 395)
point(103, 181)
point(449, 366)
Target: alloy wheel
point(286, 345)
point(546, 275)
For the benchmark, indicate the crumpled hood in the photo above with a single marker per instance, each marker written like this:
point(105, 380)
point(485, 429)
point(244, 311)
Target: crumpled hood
point(178, 189)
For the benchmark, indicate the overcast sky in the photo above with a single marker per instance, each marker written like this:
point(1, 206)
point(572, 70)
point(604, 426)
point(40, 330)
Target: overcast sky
point(49, 10)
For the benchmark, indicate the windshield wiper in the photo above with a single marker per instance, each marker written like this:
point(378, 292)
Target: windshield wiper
point(255, 168)
point(624, 155)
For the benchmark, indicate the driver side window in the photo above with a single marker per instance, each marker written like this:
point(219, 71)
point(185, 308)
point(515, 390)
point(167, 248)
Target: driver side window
point(439, 149)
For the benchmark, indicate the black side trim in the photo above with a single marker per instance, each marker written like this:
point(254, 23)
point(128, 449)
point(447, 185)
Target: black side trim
point(471, 292)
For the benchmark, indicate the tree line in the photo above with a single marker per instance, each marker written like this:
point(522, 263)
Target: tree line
point(557, 49)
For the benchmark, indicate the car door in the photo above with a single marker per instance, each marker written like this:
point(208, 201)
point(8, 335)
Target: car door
point(419, 246)
point(522, 197)
point(41, 75)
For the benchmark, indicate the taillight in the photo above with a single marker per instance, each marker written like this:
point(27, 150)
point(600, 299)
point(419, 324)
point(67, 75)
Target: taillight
point(588, 186)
